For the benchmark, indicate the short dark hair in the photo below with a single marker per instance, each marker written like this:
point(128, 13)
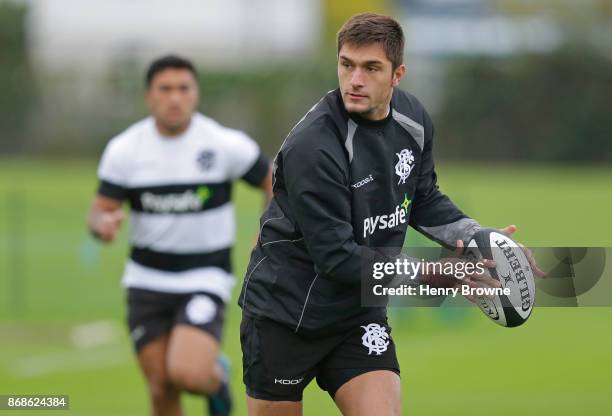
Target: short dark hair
point(367, 28)
point(168, 61)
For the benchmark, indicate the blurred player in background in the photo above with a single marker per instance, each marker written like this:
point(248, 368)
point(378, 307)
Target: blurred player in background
point(175, 169)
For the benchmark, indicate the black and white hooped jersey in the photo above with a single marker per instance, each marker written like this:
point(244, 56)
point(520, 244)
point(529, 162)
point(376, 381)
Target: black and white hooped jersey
point(182, 220)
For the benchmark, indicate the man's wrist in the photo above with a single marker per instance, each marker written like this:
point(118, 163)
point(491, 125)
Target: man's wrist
point(94, 224)
point(472, 229)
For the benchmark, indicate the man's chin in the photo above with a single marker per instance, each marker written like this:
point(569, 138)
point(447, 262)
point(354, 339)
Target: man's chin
point(356, 108)
point(175, 120)
point(173, 125)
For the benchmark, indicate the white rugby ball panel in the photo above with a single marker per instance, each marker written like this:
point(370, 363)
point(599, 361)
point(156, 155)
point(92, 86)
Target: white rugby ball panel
point(490, 307)
point(512, 271)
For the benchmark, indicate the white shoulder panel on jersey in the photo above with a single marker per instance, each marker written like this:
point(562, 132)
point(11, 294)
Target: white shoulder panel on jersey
point(240, 150)
point(206, 153)
point(115, 162)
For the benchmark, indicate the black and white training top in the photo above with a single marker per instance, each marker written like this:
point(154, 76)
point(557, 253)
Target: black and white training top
point(343, 188)
point(182, 220)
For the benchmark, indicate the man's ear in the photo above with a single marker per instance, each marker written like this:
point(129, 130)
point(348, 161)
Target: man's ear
point(398, 74)
point(147, 97)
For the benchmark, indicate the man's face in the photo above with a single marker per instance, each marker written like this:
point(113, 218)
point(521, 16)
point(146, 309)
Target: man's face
point(172, 98)
point(366, 79)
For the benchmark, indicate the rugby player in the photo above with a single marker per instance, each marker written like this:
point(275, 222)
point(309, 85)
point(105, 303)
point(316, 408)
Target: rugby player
point(348, 180)
point(175, 169)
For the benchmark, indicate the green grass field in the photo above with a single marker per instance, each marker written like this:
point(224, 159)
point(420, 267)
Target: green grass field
point(62, 311)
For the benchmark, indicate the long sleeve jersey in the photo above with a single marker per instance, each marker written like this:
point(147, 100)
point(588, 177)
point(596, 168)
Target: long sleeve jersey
point(345, 191)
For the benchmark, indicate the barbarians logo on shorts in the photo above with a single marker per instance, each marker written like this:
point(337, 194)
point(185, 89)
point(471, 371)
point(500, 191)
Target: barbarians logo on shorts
point(201, 309)
point(138, 332)
point(405, 165)
point(375, 338)
point(206, 159)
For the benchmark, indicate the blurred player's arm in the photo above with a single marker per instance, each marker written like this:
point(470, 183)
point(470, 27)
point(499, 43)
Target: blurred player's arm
point(249, 163)
point(105, 215)
point(266, 186)
point(105, 218)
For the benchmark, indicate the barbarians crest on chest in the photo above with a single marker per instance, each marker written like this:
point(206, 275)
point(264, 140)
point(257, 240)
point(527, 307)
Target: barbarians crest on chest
point(206, 159)
point(404, 166)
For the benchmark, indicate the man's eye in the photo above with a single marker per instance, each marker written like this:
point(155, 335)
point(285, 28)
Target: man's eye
point(346, 65)
point(372, 69)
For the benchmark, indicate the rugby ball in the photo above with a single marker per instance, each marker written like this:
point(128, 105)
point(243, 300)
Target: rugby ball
point(513, 272)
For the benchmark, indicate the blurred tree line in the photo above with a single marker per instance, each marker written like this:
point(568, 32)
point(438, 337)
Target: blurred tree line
point(551, 107)
point(266, 103)
point(16, 82)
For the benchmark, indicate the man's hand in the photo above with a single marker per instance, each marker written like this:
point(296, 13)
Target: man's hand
point(511, 229)
point(105, 218)
point(106, 224)
point(473, 280)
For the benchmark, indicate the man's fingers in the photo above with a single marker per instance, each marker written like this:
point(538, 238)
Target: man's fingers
point(485, 278)
point(105, 234)
point(113, 234)
point(470, 298)
point(509, 230)
point(114, 218)
point(532, 262)
point(109, 224)
point(488, 263)
point(108, 232)
point(474, 285)
point(459, 250)
point(536, 270)
point(488, 280)
point(118, 216)
point(466, 282)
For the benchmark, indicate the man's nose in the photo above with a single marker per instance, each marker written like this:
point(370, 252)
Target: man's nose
point(175, 96)
point(357, 78)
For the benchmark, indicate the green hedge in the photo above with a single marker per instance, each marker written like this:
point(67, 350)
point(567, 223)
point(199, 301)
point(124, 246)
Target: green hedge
point(16, 82)
point(544, 108)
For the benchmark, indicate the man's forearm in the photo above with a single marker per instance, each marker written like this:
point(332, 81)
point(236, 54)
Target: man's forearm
point(104, 219)
point(94, 221)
